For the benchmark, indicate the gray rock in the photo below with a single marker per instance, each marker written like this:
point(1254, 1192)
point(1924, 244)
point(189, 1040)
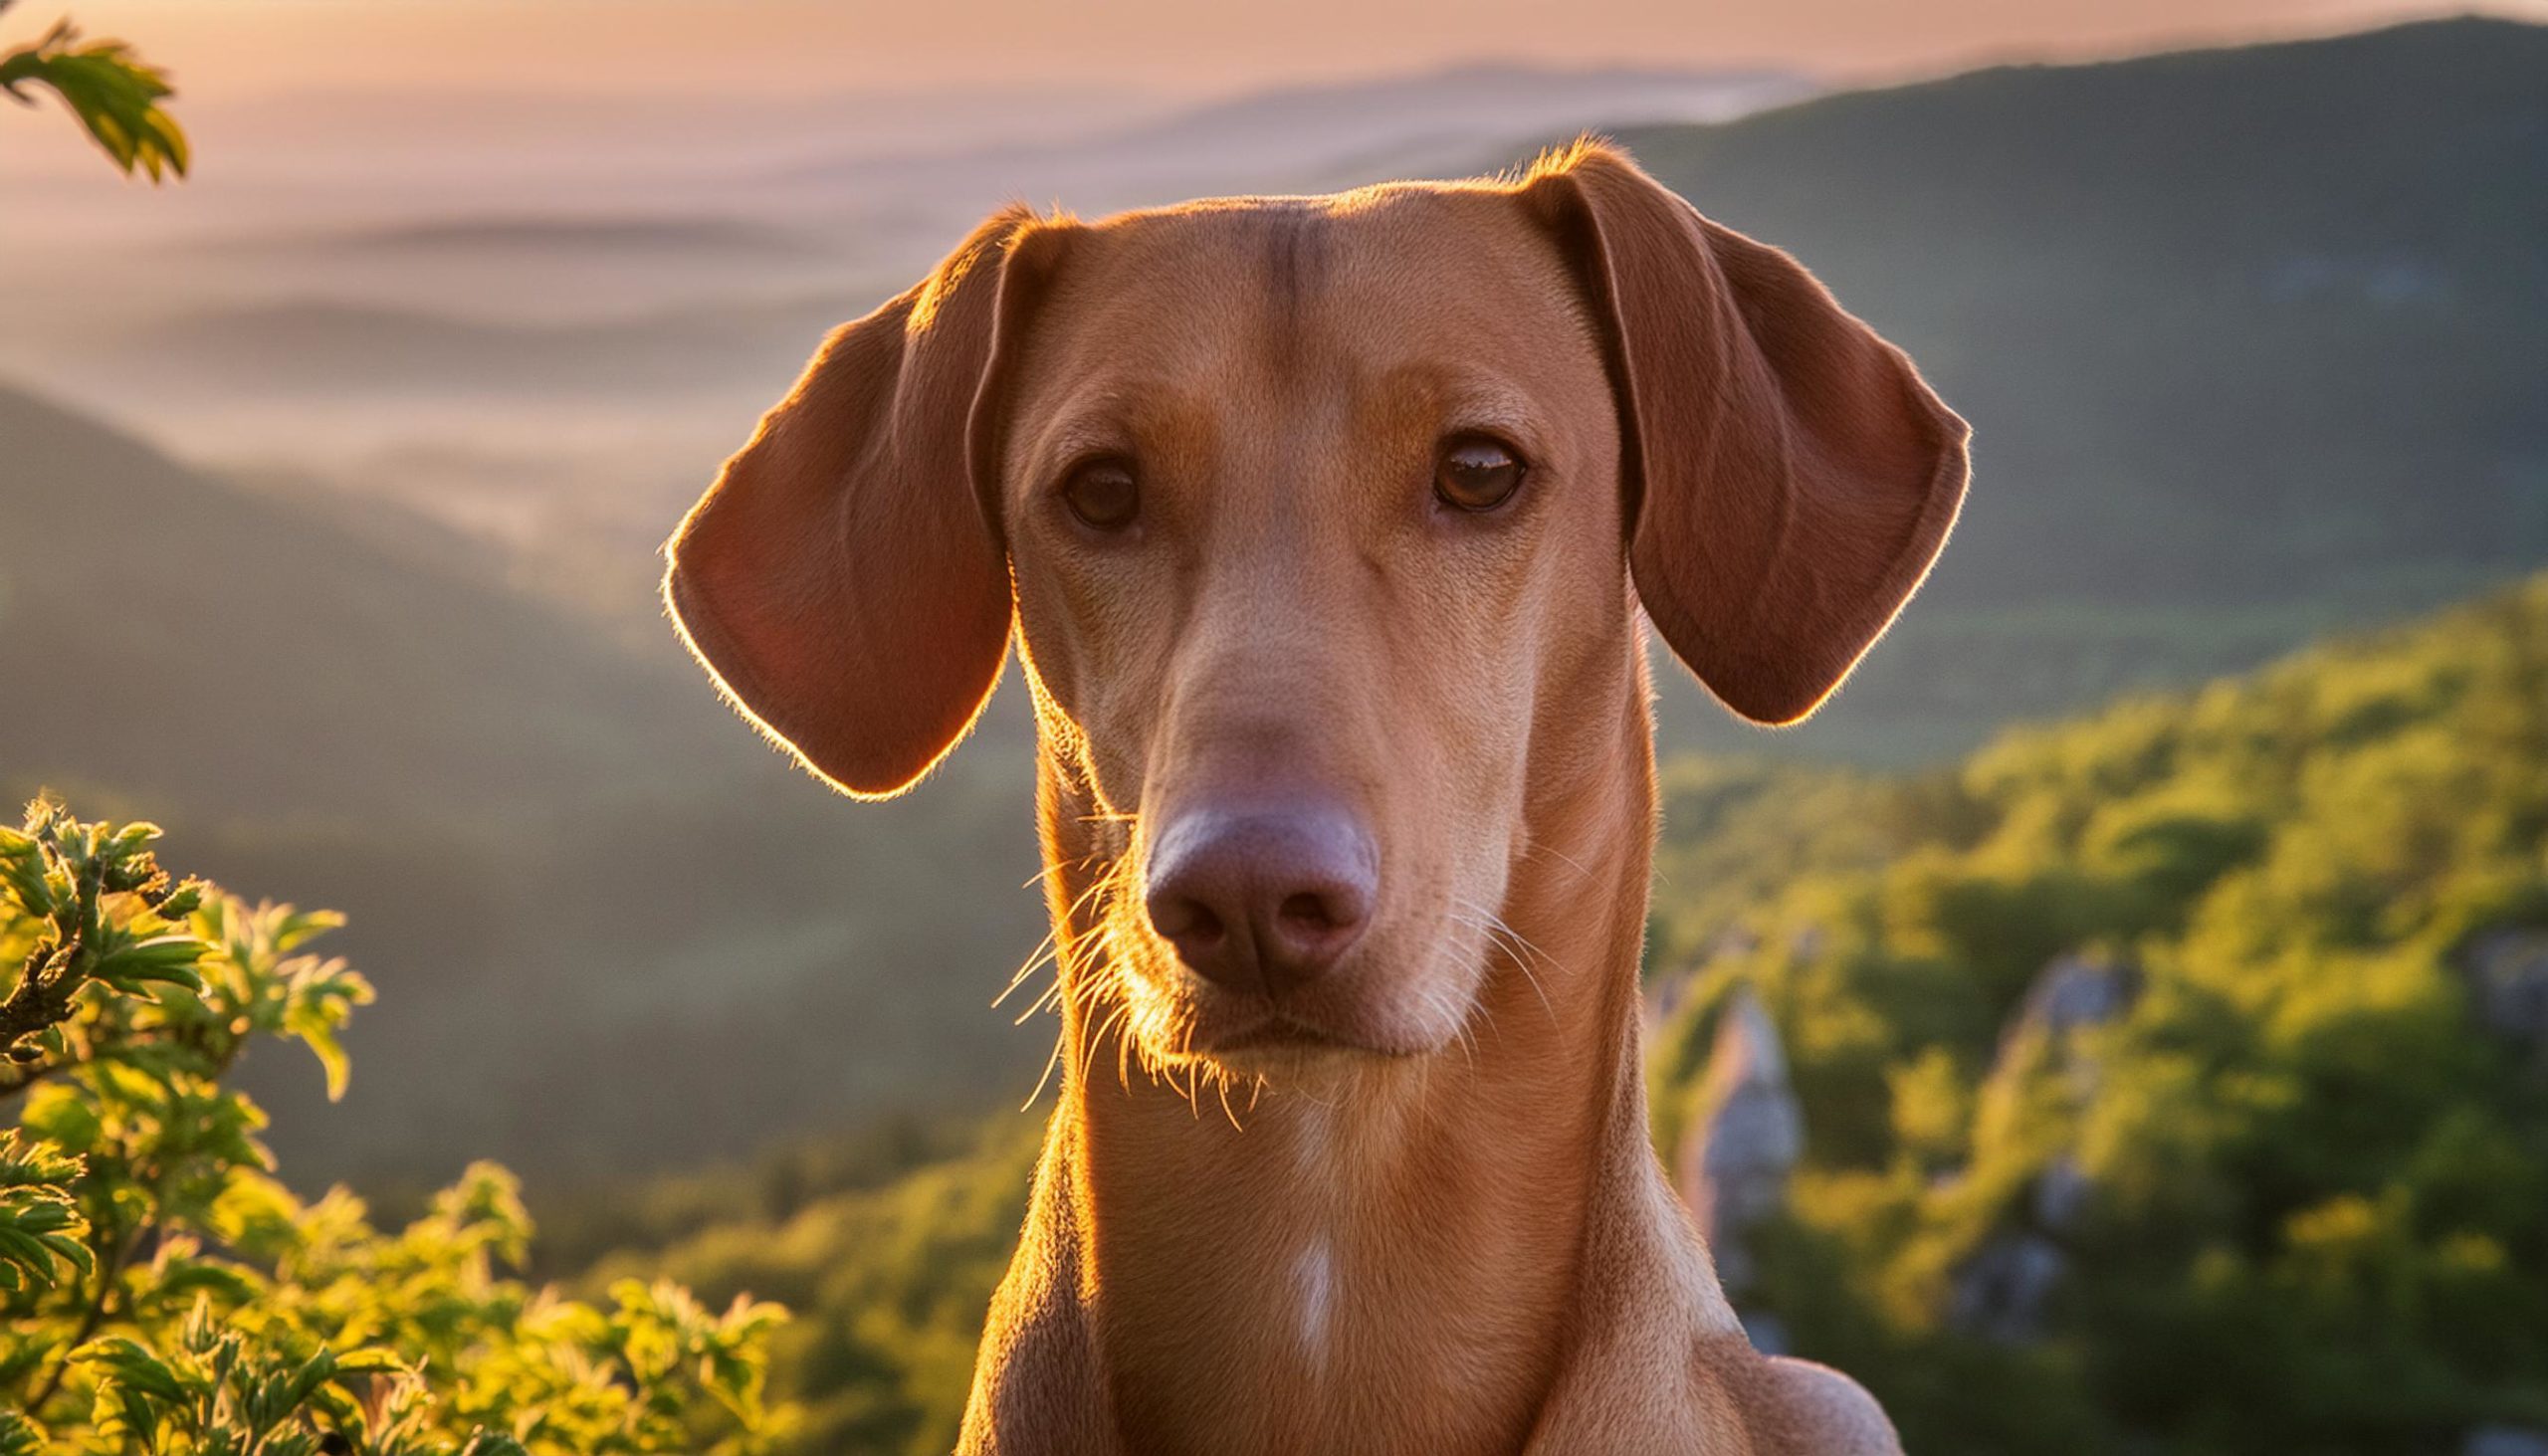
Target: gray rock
point(1664, 993)
point(2507, 973)
point(2506, 1441)
point(1736, 1160)
point(2071, 995)
point(2061, 1193)
point(2004, 1291)
point(2077, 992)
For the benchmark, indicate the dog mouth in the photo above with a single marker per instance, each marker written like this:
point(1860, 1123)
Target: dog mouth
point(1247, 1039)
point(1280, 1034)
point(1284, 1051)
point(1257, 1036)
point(1177, 1019)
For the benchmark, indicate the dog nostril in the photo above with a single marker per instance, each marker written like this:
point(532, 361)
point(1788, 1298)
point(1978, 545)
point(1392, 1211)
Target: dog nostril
point(1188, 922)
point(1316, 914)
point(1307, 911)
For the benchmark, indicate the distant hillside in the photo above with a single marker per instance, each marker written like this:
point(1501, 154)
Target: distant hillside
point(242, 627)
point(329, 348)
point(2173, 1079)
point(1271, 140)
point(2255, 344)
point(605, 235)
point(606, 915)
point(2251, 340)
point(778, 256)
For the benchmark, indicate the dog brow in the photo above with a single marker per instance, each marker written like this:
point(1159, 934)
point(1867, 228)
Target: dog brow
point(1294, 251)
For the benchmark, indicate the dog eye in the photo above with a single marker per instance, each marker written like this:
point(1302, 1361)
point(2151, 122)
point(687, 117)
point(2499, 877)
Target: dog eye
point(1475, 473)
point(1103, 494)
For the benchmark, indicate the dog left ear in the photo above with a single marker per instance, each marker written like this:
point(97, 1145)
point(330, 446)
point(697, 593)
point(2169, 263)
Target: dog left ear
point(1790, 477)
point(844, 579)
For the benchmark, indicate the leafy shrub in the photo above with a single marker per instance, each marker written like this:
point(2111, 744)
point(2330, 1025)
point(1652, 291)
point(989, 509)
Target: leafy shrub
point(164, 1292)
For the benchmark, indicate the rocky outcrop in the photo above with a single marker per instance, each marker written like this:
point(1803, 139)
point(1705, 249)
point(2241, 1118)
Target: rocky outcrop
point(2508, 974)
point(2506, 1441)
point(1745, 1141)
point(2060, 1194)
point(2004, 1290)
point(2074, 993)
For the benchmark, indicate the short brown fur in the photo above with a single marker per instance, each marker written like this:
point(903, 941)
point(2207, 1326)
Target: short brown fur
point(1411, 1206)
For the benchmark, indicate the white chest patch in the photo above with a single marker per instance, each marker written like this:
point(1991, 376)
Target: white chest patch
point(1314, 1285)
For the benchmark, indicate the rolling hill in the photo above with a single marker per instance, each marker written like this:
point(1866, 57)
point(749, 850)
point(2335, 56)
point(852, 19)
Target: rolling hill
point(1272, 139)
point(2253, 340)
point(2251, 337)
point(585, 886)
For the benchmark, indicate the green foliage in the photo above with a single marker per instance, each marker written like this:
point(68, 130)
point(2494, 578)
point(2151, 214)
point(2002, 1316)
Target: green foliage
point(2317, 1190)
point(2316, 1213)
point(112, 92)
point(485, 844)
point(894, 1282)
point(164, 1292)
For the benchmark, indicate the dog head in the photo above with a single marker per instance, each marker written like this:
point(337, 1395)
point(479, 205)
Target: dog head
point(1321, 524)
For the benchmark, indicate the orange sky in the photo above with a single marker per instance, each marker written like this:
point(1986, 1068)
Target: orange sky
point(243, 46)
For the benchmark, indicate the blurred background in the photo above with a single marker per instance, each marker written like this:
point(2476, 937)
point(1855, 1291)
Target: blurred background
point(2148, 950)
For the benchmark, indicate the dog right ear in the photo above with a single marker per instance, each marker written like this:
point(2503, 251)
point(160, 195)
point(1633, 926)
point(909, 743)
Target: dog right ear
point(843, 580)
point(1792, 477)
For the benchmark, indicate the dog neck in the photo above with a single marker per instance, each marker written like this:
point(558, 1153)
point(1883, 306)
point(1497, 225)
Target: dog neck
point(1402, 1254)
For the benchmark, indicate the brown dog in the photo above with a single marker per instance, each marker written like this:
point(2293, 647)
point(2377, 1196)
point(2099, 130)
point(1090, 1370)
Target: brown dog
point(1321, 525)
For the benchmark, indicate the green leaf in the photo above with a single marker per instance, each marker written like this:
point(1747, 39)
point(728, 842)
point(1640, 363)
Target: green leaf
point(20, 1435)
point(166, 959)
point(112, 92)
point(127, 1363)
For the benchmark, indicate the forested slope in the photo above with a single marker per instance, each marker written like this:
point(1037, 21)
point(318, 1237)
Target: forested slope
point(2283, 1174)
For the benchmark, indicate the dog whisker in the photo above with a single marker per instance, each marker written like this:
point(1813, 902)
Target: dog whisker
point(1045, 952)
point(1562, 857)
point(1056, 868)
point(1517, 946)
point(1061, 1043)
point(1049, 950)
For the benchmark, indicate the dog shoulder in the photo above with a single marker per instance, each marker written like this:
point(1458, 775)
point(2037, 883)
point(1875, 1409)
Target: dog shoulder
point(1040, 1388)
point(1796, 1408)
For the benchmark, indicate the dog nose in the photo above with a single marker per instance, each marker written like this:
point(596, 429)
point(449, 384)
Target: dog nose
point(1262, 899)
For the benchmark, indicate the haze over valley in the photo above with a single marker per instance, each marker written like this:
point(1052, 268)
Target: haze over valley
point(2250, 344)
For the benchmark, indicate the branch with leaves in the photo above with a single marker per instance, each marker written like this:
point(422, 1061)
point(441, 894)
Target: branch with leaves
point(112, 92)
point(96, 910)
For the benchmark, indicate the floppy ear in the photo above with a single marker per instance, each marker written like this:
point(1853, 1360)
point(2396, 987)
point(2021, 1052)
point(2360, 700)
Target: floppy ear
point(1791, 478)
point(841, 580)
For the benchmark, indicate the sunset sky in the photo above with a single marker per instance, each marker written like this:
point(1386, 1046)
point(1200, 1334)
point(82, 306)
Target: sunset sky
point(240, 48)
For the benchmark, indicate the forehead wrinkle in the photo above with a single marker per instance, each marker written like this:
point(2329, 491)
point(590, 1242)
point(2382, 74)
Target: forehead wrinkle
point(1295, 256)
